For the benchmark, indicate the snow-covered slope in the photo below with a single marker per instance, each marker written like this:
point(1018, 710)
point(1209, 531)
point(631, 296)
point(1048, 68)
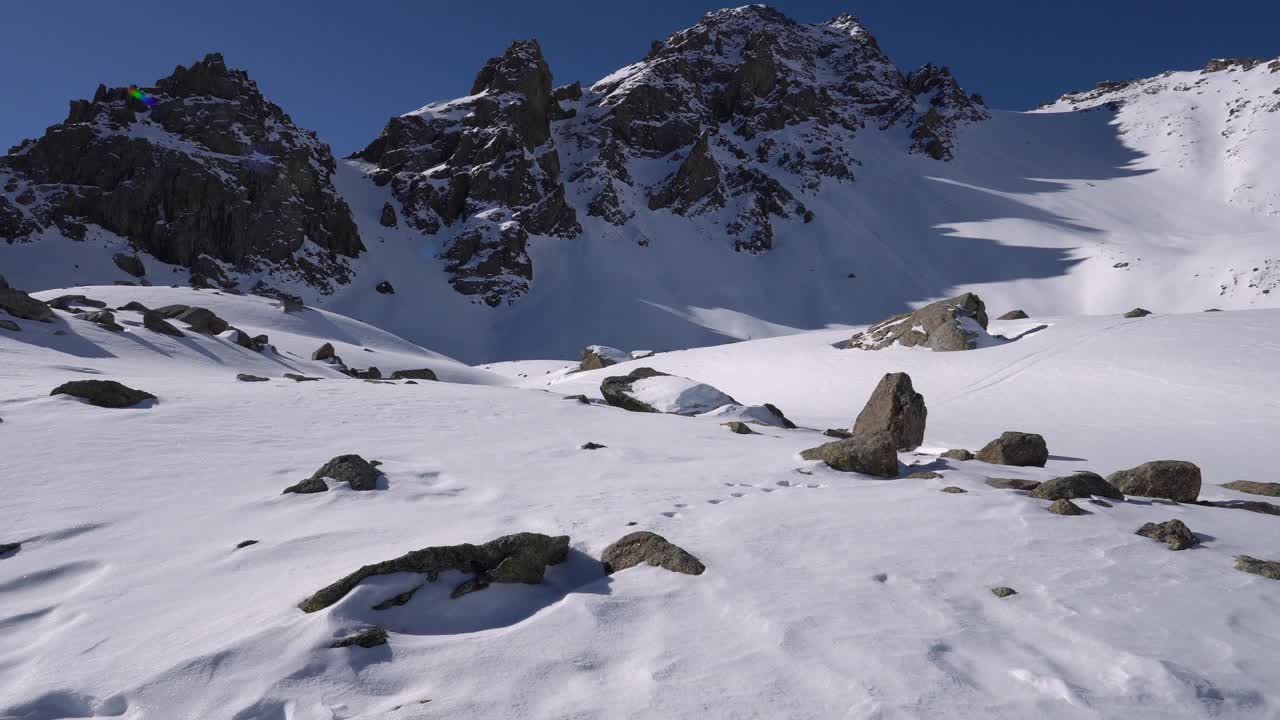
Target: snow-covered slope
point(826, 594)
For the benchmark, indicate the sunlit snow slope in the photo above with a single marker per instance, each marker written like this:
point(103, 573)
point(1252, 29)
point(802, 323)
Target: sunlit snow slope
point(826, 594)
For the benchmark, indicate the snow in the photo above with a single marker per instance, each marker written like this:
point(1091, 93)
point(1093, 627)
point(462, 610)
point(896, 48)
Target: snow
point(826, 594)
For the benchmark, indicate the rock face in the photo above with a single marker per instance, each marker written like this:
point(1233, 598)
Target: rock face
point(212, 174)
point(959, 323)
point(895, 407)
point(743, 112)
point(1170, 479)
point(494, 174)
point(103, 393)
point(1078, 485)
point(1016, 448)
point(1174, 533)
point(652, 549)
point(519, 558)
point(1266, 568)
point(1254, 488)
point(866, 453)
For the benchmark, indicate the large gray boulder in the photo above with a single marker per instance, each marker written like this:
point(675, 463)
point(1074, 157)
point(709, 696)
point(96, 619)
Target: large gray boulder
point(652, 549)
point(1176, 480)
point(518, 558)
point(866, 453)
point(1078, 485)
point(958, 323)
point(1016, 448)
point(895, 407)
point(23, 306)
point(103, 393)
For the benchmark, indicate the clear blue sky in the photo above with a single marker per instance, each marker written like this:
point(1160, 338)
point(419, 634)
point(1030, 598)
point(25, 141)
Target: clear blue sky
point(342, 68)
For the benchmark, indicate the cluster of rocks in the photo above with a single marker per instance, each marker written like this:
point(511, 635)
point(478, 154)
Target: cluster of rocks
point(210, 176)
point(893, 419)
point(326, 354)
point(518, 558)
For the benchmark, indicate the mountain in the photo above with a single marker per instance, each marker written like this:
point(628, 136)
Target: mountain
point(751, 176)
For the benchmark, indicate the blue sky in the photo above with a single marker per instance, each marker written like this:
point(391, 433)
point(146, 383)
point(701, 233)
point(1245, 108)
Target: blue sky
point(342, 68)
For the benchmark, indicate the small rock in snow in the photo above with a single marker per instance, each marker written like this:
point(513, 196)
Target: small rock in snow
point(954, 490)
point(651, 548)
point(1254, 488)
point(1003, 592)
point(1013, 315)
point(1082, 484)
point(1064, 507)
point(1176, 480)
point(245, 543)
point(103, 393)
point(924, 475)
point(1016, 448)
point(592, 446)
point(740, 428)
point(869, 453)
point(246, 377)
point(367, 638)
point(1266, 568)
point(1173, 533)
point(1137, 313)
point(1012, 483)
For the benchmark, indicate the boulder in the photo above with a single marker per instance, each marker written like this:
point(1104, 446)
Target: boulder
point(896, 408)
point(240, 338)
point(954, 490)
point(10, 325)
point(24, 307)
point(1012, 483)
point(367, 638)
point(644, 547)
point(388, 216)
point(324, 352)
point(1266, 568)
point(1016, 448)
point(203, 320)
point(134, 306)
point(592, 446)
point(155, 322)
point(103, 393)
point(595, 357)
point(306, 487)
point(1254, 488)
point(739, 428)
point(104, 318)
point(1078, 485)
point(1003, 592)
point(419, 374)
point(1013, 315)
point(1064, 507)
point(518, 558)
point(68, 303)
point(351, 469)
point(866, 453)
point(246, 377)
point(1137, 313)
point(1175, 480)
point(957, 454)
point(647, 390)
point(130, 264)
point(958, 323)
point(245, 543)
point(385, 288)
point(1173, 533)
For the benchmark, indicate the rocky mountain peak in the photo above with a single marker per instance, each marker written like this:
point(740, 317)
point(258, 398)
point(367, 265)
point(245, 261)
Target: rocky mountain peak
point(207, 175)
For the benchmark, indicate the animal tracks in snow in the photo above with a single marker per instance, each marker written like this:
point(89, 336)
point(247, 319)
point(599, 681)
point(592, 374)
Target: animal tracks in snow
point(745, 490)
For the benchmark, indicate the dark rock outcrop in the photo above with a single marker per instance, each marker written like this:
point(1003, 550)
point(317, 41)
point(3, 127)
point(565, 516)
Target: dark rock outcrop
point(518, 558)
point(130, 264)
point(103, 318)
point(203, 320)
point(1175, 480)
point(958, 323)
point(324, 352)
point(866, 453)
point(351, 469)
point(1254, 488)
point(306, 487)
point(651, 549)
point(367, 638)
point(155, 322)
point(1266, 568)
point(894, 407)
point(1078, 485)
point(10, 325)
point(1174, 533)
point(103, 393)
point(385, 288)
point(418, 374)
point(1137, 313)
point(616, 390)
point(1016, 448)
point(210, 169)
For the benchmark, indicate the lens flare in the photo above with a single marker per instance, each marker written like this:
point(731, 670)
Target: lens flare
point(137, 94)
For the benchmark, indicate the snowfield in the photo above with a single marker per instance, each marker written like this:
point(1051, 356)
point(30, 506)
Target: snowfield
point(826, 594)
